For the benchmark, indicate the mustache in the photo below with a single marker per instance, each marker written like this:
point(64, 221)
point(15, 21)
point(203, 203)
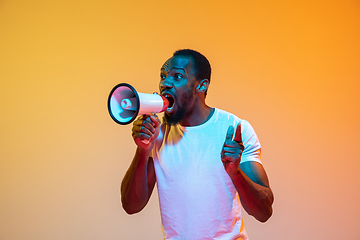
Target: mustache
point(163, 92)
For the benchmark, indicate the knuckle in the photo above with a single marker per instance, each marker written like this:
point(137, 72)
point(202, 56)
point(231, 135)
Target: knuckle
point(143, 135)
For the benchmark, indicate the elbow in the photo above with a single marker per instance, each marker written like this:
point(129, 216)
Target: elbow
point(267, 209)
point(131, 208)
point(261, 214)
point(265, 215)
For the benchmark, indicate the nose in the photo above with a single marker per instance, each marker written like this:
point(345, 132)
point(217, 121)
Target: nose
point(165, 84)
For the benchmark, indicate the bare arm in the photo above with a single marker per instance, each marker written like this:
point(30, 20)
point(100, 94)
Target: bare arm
point(251, 182)
point(250, 179)
point(139, 180)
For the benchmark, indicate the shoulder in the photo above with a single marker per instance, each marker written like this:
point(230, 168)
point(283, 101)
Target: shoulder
point(247, 131)
point(230, 117)
point(225, 116)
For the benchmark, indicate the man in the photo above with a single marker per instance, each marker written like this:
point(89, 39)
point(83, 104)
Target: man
point(206, 162)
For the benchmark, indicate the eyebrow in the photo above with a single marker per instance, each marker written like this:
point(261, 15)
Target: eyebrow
point(173, 68)
point(178, 69)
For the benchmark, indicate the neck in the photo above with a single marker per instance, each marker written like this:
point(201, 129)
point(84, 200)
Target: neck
point(199, 115)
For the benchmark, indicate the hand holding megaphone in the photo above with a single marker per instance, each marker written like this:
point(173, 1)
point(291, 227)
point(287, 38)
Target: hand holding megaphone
point(125, 103)
point(145, 130)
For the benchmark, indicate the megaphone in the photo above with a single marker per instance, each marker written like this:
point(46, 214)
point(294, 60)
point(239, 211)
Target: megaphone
point(125, 103)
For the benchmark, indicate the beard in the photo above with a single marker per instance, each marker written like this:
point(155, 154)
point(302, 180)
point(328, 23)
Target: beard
point(176, 117)
point(181, 111)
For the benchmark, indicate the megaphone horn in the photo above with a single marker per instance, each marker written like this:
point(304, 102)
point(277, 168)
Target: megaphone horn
point(125, 103)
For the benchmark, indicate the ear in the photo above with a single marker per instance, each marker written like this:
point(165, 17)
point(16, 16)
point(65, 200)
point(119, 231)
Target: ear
point(202, 86)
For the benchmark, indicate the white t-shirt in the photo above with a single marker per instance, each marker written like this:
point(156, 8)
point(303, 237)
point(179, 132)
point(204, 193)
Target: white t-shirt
point(197, 197)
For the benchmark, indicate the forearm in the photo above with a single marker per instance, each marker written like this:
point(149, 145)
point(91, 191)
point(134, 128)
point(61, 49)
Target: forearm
point(256, 199)
point(137, 186)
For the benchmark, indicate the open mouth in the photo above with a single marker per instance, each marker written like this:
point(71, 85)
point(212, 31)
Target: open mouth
point(171, 101)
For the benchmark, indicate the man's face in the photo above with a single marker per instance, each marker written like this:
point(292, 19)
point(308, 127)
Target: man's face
point(177, 84)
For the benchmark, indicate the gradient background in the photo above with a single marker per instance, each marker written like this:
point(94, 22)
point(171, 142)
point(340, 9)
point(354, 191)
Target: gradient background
point(291, 68)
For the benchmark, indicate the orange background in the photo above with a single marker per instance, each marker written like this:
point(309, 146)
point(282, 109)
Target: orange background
point(291, 68)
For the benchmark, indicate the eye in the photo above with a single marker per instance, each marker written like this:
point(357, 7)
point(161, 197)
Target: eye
point(162, 76)
point(178, 76)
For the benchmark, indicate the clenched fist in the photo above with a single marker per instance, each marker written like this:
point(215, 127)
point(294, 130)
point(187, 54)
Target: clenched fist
point(145, 130)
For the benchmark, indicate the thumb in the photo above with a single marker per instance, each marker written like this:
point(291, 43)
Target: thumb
point(238, 138)
point(230, 133)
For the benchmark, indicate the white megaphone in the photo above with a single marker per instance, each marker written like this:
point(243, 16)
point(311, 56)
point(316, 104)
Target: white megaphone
point(125, 103)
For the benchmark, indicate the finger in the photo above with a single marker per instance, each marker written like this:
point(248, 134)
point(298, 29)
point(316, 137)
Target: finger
point(138, 132)
point(228, 157)
point(231, 144)
point(155, 119)
point(147, 117)
point(230, 150)
point(142, 129)
point(230, 133)
point(238, 138)
point(147, 121)
point(143, 126)
point(141, 136)
point(144, 116)
point(149, 125)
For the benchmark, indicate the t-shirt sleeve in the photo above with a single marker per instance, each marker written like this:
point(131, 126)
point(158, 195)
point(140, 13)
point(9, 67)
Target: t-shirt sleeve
point(252, 151)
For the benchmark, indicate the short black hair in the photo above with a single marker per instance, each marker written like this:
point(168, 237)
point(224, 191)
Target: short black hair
point(201, 64)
